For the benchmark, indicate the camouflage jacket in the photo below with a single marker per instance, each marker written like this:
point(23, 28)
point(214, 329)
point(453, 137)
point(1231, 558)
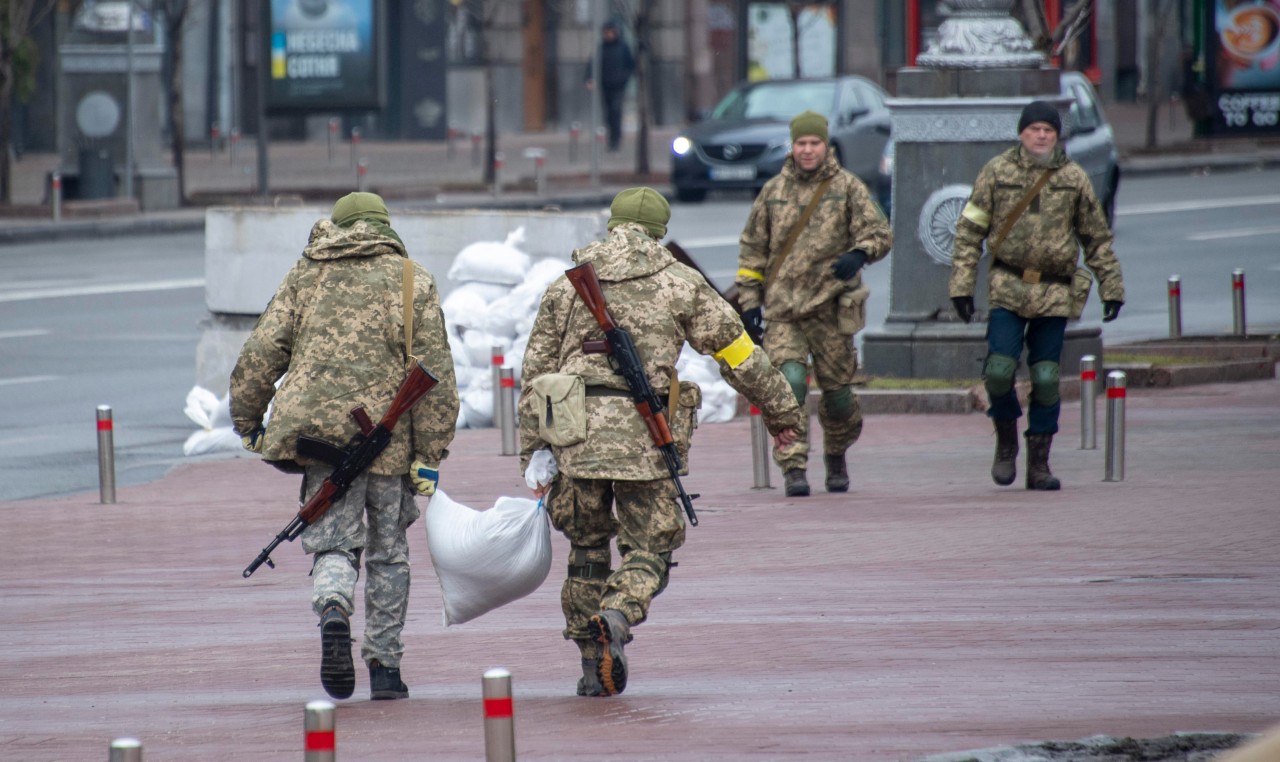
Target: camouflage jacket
point(844, 220)
point(336, 325)
point(663, 304)
point(1048, 236)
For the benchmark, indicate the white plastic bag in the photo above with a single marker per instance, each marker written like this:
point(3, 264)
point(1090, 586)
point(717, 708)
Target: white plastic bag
point(487, 559)
point(542, 469)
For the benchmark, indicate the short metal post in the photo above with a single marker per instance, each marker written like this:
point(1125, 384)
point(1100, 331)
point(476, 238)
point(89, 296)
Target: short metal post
point(475, 148)
point(333, 136)
point(126, 750)
point(362, 169)
point(450, 134)
point(539, 156)
point(355, 145)
point(506, 411)
point(575, 132)
point(759, 451)
point(234, 153)
point(498, 160)
point(499, 717)
point(1175, 307)
point(1116, 383)
point(214, 133)
point(106, 457)
point(1238, 327)
point(1088, 402)
point(55, 195)
point(320, 742)
point(496, 361)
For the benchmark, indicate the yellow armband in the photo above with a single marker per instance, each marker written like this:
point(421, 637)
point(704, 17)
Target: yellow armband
point(736, 353)
point(975, 214)
point(753, 274)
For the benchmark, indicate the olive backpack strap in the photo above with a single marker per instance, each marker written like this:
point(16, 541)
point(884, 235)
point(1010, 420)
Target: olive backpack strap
point(406, 296)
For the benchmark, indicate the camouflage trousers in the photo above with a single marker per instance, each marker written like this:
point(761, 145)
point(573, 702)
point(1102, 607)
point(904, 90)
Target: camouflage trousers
point(831, 359)
point(648, 522)
point(340, 537)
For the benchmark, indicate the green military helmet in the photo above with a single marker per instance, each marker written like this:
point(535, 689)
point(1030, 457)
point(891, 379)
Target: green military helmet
point(643, 205)
point(360, 206)
point(808, 123)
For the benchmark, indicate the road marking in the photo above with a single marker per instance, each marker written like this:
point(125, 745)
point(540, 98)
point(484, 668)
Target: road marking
point(26, 380)
point(23, 334)
point(113, 288)
point(707, 243)
point(1243, 233)
point(1193, 206)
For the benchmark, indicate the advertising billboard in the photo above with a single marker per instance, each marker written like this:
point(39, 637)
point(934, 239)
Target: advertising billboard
point(1244, 65)
point(324, 55)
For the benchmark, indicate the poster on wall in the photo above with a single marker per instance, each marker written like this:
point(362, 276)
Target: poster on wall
point(325, 55)
point(772, 33)
point(1244, 59)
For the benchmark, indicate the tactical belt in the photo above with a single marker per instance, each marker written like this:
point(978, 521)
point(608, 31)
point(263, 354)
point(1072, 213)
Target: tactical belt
point(605, 391)
point(1031, 276)
point(589, 571)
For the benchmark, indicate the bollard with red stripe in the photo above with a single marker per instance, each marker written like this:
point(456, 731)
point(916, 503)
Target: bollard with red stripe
point(1117, 382)
point(125, 750)
point(55, 195)
point(1237, 303)
point(575, 131)
point(1175, 307)
point(496, 361)
point(106, 456)
point(234, 154)
point(355, 146)
point(1088, 402)
point(319, 740)
point(506, 412)
point(333, 134)
point(759, 451)
point(499, 717)
point(362, 169)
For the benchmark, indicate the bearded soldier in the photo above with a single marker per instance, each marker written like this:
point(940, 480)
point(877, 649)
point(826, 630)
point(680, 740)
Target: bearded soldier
point(809, 233)
point(612, 479)
point(337, 326)
point(1035, 209)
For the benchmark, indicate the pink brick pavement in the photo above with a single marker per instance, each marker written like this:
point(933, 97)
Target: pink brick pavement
point(927, 611)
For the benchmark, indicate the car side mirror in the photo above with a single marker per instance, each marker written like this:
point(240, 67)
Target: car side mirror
point(856, 113)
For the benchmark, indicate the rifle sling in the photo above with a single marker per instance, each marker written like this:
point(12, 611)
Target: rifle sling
point(1018, 210)
point(796, 229)
point(406, 296)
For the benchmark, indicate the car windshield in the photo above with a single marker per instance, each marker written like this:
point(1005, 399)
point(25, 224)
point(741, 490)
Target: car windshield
point(776, 100)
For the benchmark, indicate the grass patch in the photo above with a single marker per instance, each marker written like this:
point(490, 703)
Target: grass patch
point(919, 384)
point(1159, 361)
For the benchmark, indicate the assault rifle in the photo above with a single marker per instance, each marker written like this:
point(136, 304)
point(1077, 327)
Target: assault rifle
point(619, 345)
point(348, 462)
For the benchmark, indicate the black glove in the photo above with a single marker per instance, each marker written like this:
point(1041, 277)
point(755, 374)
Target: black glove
point(753, 321)
point(964, 307)
point(1111, 310)
point(849, 264)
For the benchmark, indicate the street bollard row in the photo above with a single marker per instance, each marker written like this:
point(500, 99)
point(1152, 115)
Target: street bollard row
point(1238, 323)
point(759, 451)
point(106, 456)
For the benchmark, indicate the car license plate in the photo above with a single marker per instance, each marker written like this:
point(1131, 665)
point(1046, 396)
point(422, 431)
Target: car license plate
point(733, 173)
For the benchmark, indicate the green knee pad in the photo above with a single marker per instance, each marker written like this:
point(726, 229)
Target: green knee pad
point(1044, 383)
point(798, 376)
point(839, 403)
point(997, 374)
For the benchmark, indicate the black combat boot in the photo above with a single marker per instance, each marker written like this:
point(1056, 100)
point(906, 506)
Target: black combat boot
point(611, 630)
point(337, 671)
point(795, 483)
point(1038, 474)
point(385, 682)
point(589, 683)
point(1005, 468)
point(837, 473)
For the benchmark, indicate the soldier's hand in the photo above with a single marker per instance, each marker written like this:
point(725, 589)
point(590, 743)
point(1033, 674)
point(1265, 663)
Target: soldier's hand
point(753, 321)
point(849, 264)
point(1111, 310)
point(253, 440)
point(964, 307)
point(424, 477)
point(785, 437)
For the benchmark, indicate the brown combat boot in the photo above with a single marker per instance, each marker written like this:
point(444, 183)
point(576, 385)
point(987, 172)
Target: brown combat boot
point(1038, 474)
point(837, 473)
point(1005, 467)
point(612, 631)
point(795, 483)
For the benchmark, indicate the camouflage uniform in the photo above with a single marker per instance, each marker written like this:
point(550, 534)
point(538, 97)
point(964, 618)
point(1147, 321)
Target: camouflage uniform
point(809, 311)
point(663, 304)
point(336, 326)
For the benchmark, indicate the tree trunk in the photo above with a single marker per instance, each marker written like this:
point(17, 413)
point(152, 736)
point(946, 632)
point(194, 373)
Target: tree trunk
point(6, 131)
point(1158, 16)
point(176, 119)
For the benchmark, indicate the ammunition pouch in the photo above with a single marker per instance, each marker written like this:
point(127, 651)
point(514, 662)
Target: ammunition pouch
point(561, 404)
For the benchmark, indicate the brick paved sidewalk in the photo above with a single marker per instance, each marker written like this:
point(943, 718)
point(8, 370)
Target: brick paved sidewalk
point(927, 611)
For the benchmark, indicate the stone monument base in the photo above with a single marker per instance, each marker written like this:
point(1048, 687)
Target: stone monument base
point(956, 350)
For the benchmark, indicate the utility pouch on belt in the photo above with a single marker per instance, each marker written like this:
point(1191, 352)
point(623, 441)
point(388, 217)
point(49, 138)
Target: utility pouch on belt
point(1081, 284)
point(851, 311)
point(561, 402)
point(684, 419)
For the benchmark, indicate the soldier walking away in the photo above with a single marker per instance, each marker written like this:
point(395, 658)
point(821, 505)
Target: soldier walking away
point(613, 481)
point(810, 231)
point(616, 66)
point(336, 331)
point(1035, 209)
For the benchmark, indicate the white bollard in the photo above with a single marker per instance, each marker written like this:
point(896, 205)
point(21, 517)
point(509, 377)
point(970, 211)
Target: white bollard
point(126, 750)
point(362, 169)
point(499, 159)
point(1238, 326)
point(106, 456)
point(320, 740)
point(55, 195)
point(539, 156)
point(499, 717)
point(1175, 307)
point(333, 134)
point(759, 451)
point(355, 145)
point(506, 411)
point(496, 361)
point(575, 131)
point(1116, 384)
point(1088, 402)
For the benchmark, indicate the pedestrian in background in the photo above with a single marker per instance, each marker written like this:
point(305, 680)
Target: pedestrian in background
point(616, 66)
point(810, 231)
point(336, 331)
point(1035, 209)
point(613, 481)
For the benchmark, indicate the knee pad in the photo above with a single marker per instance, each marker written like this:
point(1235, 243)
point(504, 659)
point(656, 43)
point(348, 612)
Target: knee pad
point(997, 374)
point(797, 376)
point(1044, 383)
point(838, 403)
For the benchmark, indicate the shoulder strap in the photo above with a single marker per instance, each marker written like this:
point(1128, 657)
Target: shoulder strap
point(798, 228)
point(406, 284)
point(1023, 203)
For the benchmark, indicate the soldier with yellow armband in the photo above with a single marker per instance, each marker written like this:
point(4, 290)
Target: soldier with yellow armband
point(612, 480)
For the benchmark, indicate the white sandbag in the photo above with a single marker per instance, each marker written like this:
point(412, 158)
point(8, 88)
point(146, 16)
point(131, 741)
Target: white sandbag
point(487, 559)
point(468, 304)
point(492, 262)
point(205, 441)
point(476, 403)
point(479, 348)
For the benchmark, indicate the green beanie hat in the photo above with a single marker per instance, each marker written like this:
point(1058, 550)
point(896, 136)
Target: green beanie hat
point(643, 205)
point(809, 123)
point(360, 206)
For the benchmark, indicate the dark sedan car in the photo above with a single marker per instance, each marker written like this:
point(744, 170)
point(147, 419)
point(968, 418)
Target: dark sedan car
point(745, 140)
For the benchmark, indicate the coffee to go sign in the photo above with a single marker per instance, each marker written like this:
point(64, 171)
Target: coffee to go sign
point(1243, 65)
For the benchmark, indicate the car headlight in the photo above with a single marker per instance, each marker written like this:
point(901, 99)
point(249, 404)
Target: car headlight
point(681, 145)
